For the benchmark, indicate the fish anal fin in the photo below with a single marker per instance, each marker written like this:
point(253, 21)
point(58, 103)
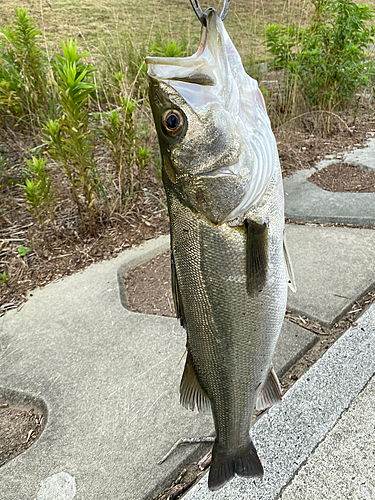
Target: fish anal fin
point(191, 393)
point(243, 462)
point(289, 267)
point(270, 393)
point(177, 300)
point(256, 256)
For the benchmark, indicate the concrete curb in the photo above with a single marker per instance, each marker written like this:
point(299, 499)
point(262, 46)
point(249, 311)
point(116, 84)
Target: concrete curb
point(306, 202)
point(154, 247)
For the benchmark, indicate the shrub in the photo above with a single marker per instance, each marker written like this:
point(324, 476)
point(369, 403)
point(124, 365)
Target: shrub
point(23, 80)
point(123, 139)
point(70, 141)
point(326, 60)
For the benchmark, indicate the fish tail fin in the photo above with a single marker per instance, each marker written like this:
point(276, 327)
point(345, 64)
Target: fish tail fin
point(224, 465)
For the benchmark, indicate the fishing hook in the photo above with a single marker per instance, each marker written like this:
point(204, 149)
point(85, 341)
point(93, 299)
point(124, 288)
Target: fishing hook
point(198, 10)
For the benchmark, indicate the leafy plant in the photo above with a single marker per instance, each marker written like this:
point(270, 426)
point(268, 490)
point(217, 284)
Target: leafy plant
point(70, 141)
point(123, 139)
point(326, 60)
point(38, 191)
point(4, 278)
point(23, 81)
point(126, 70)
point(22, 250)
point(168, 48)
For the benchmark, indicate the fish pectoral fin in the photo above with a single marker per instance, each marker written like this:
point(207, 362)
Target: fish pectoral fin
point(177, 300)
point(191, 393)
point(289, 267)
point(270, 393)
point(257, 256)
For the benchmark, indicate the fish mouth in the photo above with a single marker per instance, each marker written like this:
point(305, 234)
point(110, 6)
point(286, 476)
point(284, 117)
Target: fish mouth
point(198, 69)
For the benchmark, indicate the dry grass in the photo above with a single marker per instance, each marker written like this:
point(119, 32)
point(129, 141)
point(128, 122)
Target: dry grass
point(103, 24)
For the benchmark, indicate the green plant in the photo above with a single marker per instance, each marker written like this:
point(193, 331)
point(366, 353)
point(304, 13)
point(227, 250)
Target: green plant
point(124, 70)
point(23, 80)
point(38, 191)
point(123, 139)
point(4, 278)
point(326, 60)
point(22, 250)
point(69, 138)
point(2, 170)
point(167, 48)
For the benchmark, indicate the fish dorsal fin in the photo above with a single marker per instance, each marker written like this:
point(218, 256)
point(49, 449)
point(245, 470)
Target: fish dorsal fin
point(176, 294)
point(257, 256)
point(270, 393)
point(191, 393)
point(288, 266)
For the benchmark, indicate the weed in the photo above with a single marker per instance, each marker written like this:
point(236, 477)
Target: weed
point(165, 47)
point(23, 81)
point(123, 139)
point(22, 250)
point(4, 278)
point(70, 141)
point(38, 191)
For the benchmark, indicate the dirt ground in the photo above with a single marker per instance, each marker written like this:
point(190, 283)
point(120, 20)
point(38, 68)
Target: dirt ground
point(344, 177)
point(19, 427)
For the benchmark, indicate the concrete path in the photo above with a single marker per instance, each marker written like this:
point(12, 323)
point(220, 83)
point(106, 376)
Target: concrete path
point(107, 379)
point(306, 202)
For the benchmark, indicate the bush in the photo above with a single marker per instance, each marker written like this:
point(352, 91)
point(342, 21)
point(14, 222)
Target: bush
point(123, 139)
point(326, 60)
point(70, 142)
point(23, 78)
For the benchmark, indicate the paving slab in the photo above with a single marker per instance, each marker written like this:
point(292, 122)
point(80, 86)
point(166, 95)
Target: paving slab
point(334, 266)
point(306, 202)
point(288, 433)
point(364, 157)
point(107, 381)
point(335, 470)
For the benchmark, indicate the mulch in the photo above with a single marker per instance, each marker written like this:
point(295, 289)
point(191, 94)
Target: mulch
point(344, 177)
point(19, 427)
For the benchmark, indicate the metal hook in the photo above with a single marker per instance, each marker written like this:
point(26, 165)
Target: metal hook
point(198, 10)
point(225, 9)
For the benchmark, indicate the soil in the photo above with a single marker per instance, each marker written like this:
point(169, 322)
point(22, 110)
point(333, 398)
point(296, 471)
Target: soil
point(344, 177)
point(19, 427)
point(149, 289)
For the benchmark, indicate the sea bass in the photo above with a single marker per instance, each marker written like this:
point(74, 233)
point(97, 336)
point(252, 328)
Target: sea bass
point(230, 265)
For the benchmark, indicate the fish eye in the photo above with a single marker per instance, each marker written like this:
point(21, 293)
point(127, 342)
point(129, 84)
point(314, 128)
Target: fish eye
point(172, 122)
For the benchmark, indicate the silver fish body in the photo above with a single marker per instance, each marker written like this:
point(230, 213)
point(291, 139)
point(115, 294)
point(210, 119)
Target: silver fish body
point(229, 261)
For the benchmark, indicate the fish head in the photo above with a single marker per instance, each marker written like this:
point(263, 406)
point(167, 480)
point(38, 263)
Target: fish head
point(206, 110)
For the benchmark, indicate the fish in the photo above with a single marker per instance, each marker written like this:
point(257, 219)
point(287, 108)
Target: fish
point(230, 264)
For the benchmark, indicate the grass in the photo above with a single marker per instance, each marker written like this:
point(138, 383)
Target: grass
point(101, 25)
